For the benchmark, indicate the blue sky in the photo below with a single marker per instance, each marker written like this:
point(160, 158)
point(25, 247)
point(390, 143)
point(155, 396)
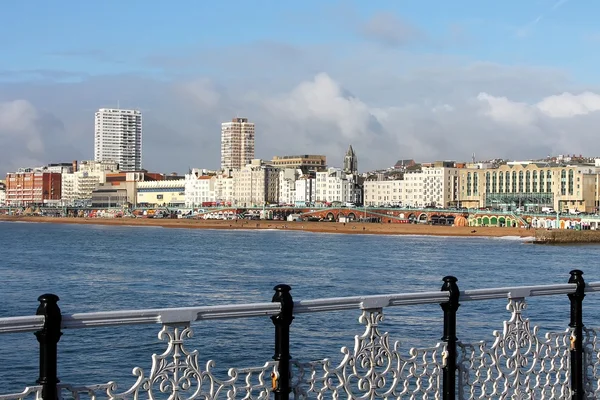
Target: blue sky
point(116, 36)
point(428, 80)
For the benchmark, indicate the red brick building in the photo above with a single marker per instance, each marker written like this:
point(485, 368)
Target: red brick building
point(27, 188)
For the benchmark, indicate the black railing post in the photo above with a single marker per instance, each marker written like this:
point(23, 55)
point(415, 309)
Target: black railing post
point(450, 307)
point(577, 367)
point(48, 338)
point(282, 322)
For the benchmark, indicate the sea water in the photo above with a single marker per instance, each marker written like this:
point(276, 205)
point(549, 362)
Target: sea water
point(105, 268)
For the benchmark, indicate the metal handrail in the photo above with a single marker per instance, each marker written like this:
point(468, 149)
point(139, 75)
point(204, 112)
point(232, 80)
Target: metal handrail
point(231, 311)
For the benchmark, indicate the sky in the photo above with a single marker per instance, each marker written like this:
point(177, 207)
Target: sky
point(428, 80)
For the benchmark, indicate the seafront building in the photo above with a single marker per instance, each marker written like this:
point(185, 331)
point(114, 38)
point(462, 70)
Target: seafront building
point(77, 186)
point(120, 188)
point(531, 186)
point(165, 193)
point(306, 190)
point(256, 184)
point(434, 185)
point(287, 185)
point(237, 144)
point(334, 185)
point(118, 137)
point(28, 187)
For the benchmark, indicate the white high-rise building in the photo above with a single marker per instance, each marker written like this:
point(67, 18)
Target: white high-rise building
point(237, 144)
point(118, 137)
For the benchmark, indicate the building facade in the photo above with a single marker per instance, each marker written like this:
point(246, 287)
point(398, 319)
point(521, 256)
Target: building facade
point(165, 193)
point(306, 189)
point(118, 137)
point(29, 188)
point(529, 186)
point(287, 185)
point(77, 186)
point(200, 190)
point(237, 144)
point(434, 185)
point(381, 193)
point(307, 162)
point(334, 185)
point(256, 184)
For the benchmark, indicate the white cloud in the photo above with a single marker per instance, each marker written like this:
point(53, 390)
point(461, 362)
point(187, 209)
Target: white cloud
point(504, 111)
point(387, 103)
point(567, 105)
point(322, 100)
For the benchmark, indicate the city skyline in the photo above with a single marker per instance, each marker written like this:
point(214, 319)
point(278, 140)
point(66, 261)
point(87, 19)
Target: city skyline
point(397, 80)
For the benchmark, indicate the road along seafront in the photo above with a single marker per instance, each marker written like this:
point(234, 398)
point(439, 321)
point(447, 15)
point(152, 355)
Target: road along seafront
point(318, 227)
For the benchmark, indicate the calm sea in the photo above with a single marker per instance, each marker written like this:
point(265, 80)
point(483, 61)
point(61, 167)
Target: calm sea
point(101, 268)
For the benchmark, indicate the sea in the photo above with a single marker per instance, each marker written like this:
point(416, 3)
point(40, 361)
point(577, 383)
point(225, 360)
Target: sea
point(106, 268)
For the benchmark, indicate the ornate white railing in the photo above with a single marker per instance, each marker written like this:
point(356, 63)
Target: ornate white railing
point(518, 364)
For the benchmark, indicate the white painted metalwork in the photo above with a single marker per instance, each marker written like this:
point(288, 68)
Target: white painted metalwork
point(373, 369)
point(176, 374)
point(168, 315)
point(21, 324)
point(518, 365)
point(30, 392)
point(591, 361)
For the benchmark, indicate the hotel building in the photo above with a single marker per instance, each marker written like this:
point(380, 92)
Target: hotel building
point(118, 137)
point(530, 185)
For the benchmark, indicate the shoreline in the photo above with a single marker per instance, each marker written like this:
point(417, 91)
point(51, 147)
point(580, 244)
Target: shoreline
point(315, 227)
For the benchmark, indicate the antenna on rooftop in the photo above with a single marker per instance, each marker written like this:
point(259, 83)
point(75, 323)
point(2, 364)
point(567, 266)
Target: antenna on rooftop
point(118, 104)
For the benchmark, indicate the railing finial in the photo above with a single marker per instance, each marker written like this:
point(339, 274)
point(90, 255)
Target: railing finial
point(48, 338)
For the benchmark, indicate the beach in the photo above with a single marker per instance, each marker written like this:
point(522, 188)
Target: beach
point(319, 227)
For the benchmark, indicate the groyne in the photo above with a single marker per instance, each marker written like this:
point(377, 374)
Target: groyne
point(566, 236)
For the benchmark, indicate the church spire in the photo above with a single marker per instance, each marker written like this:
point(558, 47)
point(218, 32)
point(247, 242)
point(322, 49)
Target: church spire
point(350, 162)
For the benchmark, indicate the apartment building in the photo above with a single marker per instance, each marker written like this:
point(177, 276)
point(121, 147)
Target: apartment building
point(305, 192)
point(334, 185)
point(118, 137)
point(256, 184)
point(434, 185)
point(200, 189)
point(380, 192)
point(77, 186)
point(29, 187)
point(287, 185)
point(530, 186)
point(237, 144)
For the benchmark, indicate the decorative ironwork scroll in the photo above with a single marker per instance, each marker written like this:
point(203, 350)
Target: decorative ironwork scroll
point(372, 369)
point(30, 392)
point(176, 375)
point(518, 365)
